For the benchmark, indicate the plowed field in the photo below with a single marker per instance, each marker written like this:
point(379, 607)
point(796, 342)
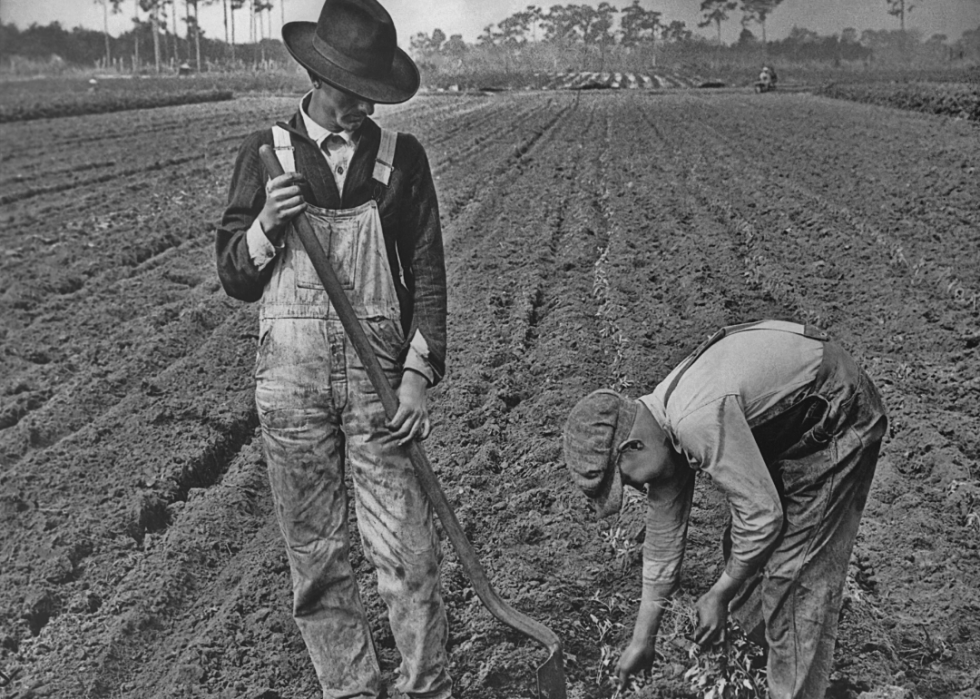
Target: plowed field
point(593, 240)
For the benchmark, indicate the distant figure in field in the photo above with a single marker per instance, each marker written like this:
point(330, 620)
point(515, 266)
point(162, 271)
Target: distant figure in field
point(767, 79)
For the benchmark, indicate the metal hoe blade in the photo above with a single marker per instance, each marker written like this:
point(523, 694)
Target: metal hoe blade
point(551, 677)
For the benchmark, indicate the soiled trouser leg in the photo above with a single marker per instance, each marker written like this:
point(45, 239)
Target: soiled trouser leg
point(394, 517)
point(746, 607)
point(297, 396)
point(824, 498)
point(823, 482)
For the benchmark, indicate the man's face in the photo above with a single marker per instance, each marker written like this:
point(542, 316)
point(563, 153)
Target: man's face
point(338, 110)
point(634, 463)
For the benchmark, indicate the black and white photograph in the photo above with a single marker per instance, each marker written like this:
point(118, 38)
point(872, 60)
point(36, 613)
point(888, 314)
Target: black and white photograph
point(479, 349)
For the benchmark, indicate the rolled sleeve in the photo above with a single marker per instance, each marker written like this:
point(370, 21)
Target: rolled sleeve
point(668, 511)
point(418, 359)
point(718, 437)
point(260, 248)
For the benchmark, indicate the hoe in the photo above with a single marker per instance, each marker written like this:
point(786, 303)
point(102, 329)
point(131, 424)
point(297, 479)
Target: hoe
point(551, 675)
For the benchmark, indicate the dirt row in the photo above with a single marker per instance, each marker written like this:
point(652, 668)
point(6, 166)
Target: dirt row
point(592, 240)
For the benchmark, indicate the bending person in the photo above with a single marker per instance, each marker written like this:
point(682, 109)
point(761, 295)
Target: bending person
point(789, 427)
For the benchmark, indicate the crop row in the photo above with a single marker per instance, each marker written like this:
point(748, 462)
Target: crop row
point(960, 100)
point(97, 102)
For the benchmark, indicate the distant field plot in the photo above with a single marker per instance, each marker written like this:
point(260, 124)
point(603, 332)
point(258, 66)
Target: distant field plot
point(954, 92)
point(960, 100)
point(39, 98)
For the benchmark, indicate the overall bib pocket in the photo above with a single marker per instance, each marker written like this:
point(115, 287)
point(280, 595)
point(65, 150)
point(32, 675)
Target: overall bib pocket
point(340, 240)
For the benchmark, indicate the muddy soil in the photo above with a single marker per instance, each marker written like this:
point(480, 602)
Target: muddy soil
point(593, 240)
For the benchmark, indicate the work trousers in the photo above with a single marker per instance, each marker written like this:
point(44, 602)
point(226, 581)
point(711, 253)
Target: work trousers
point(823, 481)
point(320, 415)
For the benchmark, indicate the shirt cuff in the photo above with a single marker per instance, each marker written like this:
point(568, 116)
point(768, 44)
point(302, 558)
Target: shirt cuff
point(661, 574)
point(417, 358)
point(740, 570)
point(260, 249)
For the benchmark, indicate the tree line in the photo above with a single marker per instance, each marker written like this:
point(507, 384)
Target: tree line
point(634, 29)
point(168, 32)
point(154, 14)
point(163, 32)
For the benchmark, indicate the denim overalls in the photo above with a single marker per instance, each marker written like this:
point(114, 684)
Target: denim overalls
point(821, 451)
point(319, 413)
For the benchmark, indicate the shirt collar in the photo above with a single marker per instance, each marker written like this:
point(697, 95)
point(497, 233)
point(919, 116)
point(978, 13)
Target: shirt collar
point(317, 133)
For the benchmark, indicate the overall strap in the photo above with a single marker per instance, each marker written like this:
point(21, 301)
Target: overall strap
point(809, 331)
point(384, 162)
point(284, 148)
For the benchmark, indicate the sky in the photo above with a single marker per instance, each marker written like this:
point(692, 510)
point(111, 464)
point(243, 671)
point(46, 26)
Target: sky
point(469, 17)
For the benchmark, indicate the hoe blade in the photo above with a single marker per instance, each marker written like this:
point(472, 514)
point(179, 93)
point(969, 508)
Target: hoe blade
point(551, 677)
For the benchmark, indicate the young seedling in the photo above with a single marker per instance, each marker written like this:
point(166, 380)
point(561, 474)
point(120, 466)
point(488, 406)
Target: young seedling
point(732, 669)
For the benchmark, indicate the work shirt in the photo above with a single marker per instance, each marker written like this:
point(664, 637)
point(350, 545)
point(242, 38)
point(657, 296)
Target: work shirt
point(739, 382)
point(338, 147)
point(409, 217)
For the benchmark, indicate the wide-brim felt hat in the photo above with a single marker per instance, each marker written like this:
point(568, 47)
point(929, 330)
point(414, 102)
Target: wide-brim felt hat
point(354, 47)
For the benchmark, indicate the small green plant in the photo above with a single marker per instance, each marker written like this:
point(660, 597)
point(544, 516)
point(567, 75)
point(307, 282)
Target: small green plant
point(606, 674)
point(964, 497)
point(731, 669)
point(734, 668)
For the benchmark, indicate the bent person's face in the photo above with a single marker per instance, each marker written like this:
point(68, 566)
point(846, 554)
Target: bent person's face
point(340, 110)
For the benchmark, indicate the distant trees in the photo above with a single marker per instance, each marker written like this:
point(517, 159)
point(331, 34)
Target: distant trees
point(234, 6)
point(758, 11)
point(585, 35)
point(455, 46)
point(563, 24)
point(422, 43)
point(193, 31)
point(574, 36)
point(638, 25)
point(569, 36)
point(520, 28)
point(37, 43)
point(677, 32)
point(105, 24)
point(152, 8)
point(715, 12)
point(804, 44)
point(568, 25)
point(599, 30)
point(899, 8)
point(152, 26)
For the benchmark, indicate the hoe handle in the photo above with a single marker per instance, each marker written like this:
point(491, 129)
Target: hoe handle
point(430, 484)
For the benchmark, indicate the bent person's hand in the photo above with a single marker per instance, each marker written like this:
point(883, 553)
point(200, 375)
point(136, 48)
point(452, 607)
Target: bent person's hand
point(712, 617)
point(637, 657)
point(283, 201)
point(411, 420)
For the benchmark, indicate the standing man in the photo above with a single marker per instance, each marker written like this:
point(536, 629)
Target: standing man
point(789, 427)
point(369, 195)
